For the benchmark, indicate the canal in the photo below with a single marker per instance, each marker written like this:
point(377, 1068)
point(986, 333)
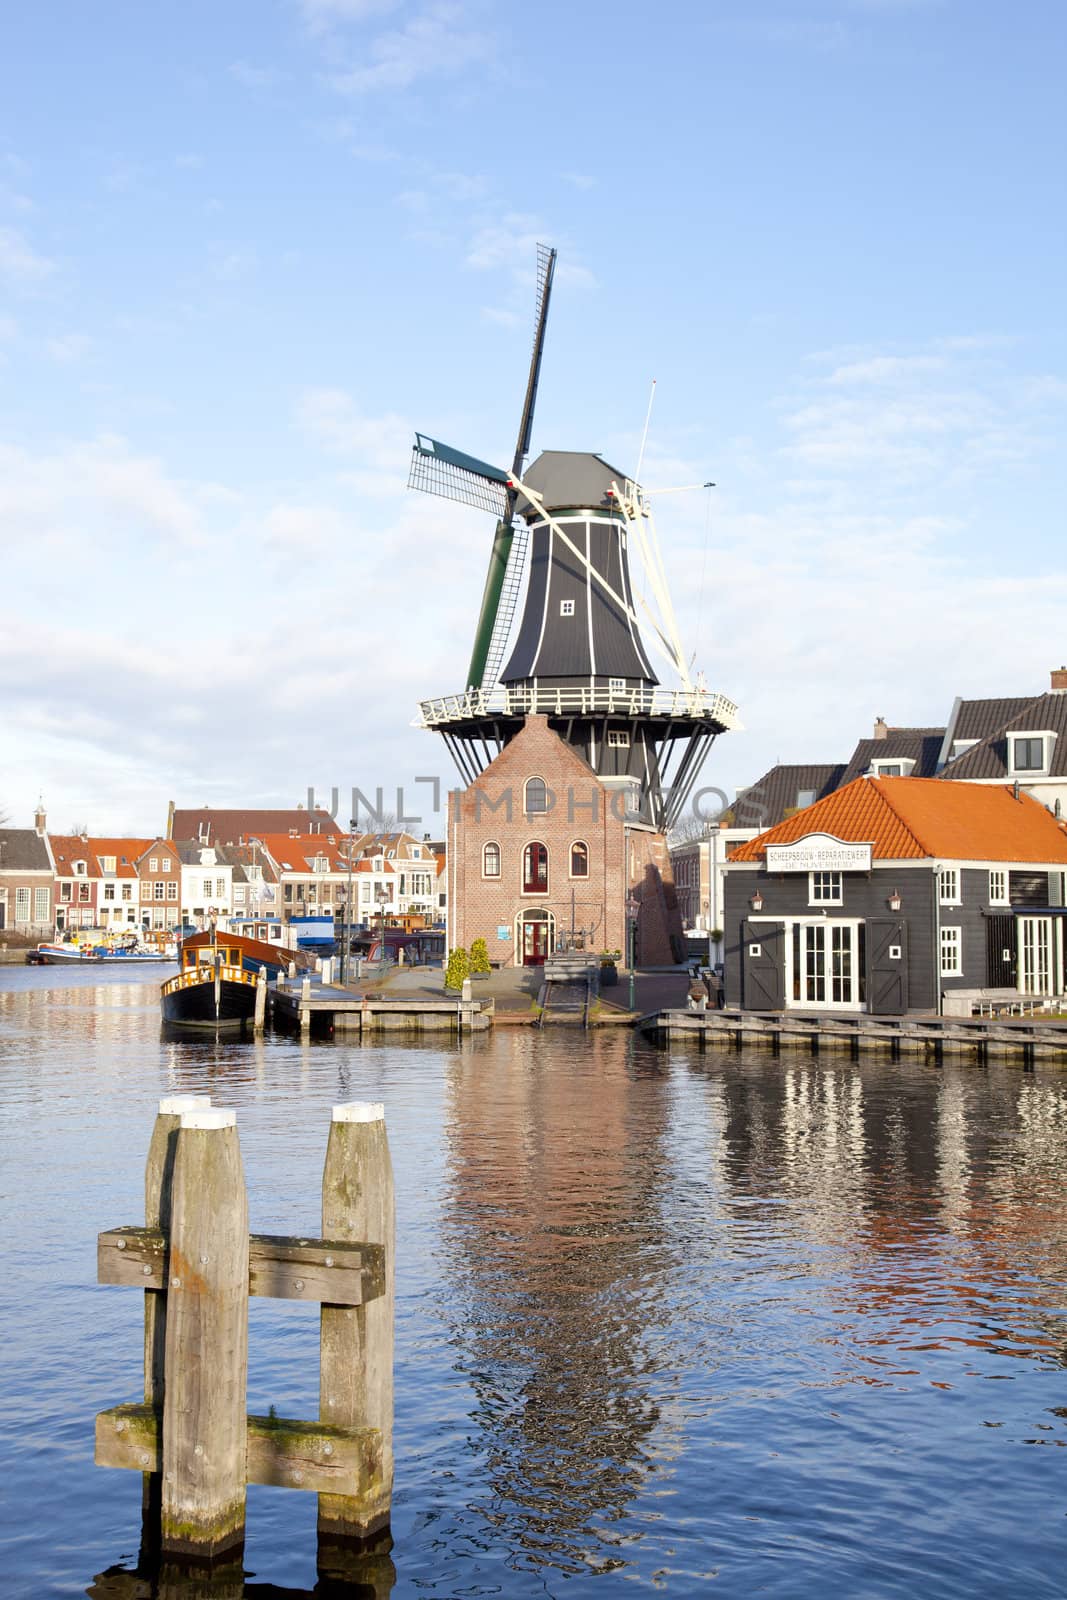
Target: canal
point(666, 1323)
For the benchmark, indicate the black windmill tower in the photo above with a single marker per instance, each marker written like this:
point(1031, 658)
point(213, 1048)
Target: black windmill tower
point(577, 656)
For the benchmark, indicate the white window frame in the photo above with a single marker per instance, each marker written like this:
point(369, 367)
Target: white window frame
point(618, 739)
point(879, 765)
point(616, 685)
point(492, 877)
point(999, 886)
point(578, 877)
point(566, 608)
point(948, 886)
point(951, 949)
point(541, 811)
point(1046, 737)
point(835, 895)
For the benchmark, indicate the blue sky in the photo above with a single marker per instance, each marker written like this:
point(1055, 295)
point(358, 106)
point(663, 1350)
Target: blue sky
point(245, 249)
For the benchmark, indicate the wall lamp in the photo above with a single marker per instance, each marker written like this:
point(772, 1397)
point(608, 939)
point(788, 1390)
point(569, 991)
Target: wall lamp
point(895, 901)
point(756, 901)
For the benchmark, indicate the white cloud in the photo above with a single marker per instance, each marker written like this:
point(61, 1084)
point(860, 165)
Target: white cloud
point(19, 261)
point(330, 417)
point(68, 347)
point(323, 14)
point(434, 43)
point(251, 76)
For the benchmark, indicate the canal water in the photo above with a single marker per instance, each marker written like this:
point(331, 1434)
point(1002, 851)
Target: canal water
point(666, 1322)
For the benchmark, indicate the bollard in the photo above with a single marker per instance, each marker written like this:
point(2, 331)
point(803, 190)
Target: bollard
point(327, 969)
point(158, 1177)
point(204, 1426)
point(356, 1342)
point(292, 969)
point(261, 1001)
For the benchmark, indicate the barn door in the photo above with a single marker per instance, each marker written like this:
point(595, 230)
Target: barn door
point(887, 967)
point(1000, 952)
point(764, 967)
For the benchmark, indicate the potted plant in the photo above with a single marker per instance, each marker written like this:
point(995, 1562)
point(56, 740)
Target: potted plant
point(609, 970)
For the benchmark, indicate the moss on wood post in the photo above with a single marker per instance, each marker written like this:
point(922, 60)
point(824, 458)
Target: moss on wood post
point(204, 1427)
point(356, 1342)
point(158, 1175)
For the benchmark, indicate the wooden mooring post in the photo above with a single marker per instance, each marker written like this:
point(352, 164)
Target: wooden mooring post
point(191, 1437)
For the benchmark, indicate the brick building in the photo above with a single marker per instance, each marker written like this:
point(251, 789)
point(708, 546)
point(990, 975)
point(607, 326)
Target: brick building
point(26, 881)
point(542, 853)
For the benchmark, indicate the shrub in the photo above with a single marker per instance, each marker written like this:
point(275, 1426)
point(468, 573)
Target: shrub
point(458, 968)
point(480, 956)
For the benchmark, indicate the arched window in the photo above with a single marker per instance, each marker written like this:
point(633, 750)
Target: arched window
point(535, 869)
point(491, 861)
point(579, 859)
point(536, 802)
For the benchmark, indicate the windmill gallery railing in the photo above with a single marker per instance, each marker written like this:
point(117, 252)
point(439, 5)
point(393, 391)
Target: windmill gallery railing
point(476, 704)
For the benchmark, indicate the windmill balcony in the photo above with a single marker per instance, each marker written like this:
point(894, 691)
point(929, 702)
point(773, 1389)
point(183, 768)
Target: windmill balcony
point(576, 701)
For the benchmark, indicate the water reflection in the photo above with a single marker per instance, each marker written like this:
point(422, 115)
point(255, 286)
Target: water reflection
point(556, 1259)
point(344, 1573)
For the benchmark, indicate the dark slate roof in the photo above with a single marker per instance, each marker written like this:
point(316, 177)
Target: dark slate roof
point(776, 795)
point(977, 719)
point(570, 478)
point(989, 759)
point(23, 850)
point(921, 745)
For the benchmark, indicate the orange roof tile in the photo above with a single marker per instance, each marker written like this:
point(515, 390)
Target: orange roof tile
point(920, 818)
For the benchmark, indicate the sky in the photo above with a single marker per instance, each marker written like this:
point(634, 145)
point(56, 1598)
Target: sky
point(247, 249)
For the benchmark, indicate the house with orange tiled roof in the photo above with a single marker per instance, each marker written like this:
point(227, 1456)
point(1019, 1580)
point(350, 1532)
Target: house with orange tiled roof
point(891, 893)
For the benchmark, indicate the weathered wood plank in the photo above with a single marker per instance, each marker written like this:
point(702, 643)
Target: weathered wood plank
point(280, 1266)
point(316, 1456)
point(204, 1428)
point(356, 1343)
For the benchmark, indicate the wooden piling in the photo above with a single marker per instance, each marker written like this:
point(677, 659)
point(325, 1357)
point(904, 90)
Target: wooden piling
point(158, 1176)
point(260, 1017)
point(204, 1426)
point(356, 1342)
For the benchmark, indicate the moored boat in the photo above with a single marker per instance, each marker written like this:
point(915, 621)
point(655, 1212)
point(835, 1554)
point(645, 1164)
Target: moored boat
point(62, 953)
point(216, 987)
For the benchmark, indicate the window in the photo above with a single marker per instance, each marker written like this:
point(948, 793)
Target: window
point(172, 891)
point(153, 865)
point(40, 905)
point(998, 889)
point(83, 895)
point(951, 966)
point(948, 886)
point(159, 889)
point(888, 769)
point(367, 895)
point(535, 869)
point(491, 861)
point(109, 891)
point(566, 608)
point(22, 905)
point(579, 859)
point(66, 891)
point(127, 891)
point(79, 868)
point(1028, 755)
point(825, 889)
point(536, 797)
point(321, 864)
point(416, 852)
point(107, 863)
point(805, 797)
point(616, 685)
point(617, 740)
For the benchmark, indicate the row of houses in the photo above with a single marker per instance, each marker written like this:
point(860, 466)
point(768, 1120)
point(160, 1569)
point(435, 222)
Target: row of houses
point(928, 866)
point(293, 867)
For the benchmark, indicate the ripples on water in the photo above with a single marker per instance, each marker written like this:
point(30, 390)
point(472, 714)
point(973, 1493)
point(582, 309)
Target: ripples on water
point(695, 1324)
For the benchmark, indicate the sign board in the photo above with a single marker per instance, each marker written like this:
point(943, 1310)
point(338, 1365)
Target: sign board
point(503, 932)
point(819, 852)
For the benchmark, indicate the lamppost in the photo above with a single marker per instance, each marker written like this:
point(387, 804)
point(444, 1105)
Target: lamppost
point(382, 892)
point(346, 946)
point(632, 907)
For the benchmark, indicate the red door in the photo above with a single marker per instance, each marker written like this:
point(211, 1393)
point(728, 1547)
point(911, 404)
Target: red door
point(534, 943)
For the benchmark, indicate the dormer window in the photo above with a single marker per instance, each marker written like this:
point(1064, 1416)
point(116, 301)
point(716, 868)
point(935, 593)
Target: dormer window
point(895, 767)
point(107, 864)
point(321, 864)
point(1029, 753)
point(79, 868)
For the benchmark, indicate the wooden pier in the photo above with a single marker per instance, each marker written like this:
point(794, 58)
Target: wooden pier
point(305, 1004)
point(197, 1265)
point(979, 1037)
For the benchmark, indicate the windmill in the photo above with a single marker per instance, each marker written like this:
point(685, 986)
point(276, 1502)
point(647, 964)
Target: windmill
point(578, 655)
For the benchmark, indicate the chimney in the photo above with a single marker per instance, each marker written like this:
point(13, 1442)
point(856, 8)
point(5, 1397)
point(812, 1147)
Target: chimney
point(40, 822)
point(1059, 680)
point(881, 728)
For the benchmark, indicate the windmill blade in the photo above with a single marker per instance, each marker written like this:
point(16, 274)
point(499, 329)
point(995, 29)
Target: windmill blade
point(438, 469)
point(546, 271)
